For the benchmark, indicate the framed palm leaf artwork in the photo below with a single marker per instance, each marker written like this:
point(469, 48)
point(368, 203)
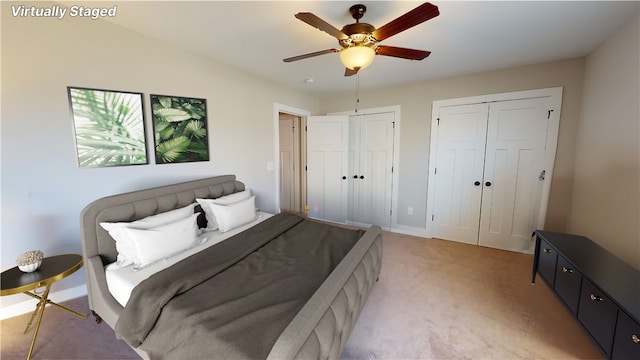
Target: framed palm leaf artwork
point(109, 127)
point(180, 129)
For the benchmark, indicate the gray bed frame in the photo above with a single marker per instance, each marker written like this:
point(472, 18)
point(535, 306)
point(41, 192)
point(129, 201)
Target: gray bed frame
point(319, 330)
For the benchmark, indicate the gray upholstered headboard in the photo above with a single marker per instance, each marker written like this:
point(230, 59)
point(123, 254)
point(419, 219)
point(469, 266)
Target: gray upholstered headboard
point(99, 249)
point(138, 204)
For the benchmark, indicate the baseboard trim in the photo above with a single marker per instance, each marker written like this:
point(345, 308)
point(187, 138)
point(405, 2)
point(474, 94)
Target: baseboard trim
point(409, 230)
point(29, 305)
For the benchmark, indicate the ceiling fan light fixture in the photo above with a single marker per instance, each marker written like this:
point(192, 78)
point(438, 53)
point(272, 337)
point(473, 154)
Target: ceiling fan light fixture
point(357, 57)
point(359, 40)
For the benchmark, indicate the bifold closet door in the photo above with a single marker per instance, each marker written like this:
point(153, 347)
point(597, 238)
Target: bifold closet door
point(370, 163)
point(349, 168)
point(462, 132)
point(489, 172)
point(514, 161)
point(327, 167)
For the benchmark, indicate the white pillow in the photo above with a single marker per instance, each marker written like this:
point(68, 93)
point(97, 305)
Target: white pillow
point(121, 237)
point(234, 215)
point(212, 223)
point(233, 198)
point(164, 217)
point(150, 245)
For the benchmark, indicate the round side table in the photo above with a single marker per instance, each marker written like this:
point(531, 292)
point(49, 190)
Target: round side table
point(53, 268)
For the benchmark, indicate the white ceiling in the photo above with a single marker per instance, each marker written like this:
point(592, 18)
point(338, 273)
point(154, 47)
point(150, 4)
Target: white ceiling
point(467, 37)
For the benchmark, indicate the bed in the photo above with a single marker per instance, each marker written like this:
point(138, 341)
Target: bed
point(250, 270)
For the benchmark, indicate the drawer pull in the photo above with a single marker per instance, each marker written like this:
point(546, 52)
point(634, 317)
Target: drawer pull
point(635, 339)
point(596, 298)
point(547, 250)
point(567, 270)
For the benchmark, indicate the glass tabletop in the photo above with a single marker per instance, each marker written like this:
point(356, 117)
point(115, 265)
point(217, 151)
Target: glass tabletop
point(53, 268)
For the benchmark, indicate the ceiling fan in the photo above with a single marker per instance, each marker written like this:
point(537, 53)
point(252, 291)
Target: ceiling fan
point(360, 41)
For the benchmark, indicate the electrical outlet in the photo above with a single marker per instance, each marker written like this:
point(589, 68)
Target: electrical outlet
point(409, 211)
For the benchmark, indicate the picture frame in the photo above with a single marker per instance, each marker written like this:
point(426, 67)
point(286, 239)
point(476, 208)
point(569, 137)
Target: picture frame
point(180, 129)
point(109, 127)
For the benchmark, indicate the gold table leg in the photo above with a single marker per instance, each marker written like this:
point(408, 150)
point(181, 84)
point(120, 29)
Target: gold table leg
point(33, 315)
point(49, 302)
point(40, 310)
point(42, 303)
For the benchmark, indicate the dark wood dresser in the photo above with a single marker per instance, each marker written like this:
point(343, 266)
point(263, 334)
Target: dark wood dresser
point(601, 291)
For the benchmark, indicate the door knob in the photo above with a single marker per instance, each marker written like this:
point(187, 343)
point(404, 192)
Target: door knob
point(344, 178)
point(477, 183)
point(361, 176)
point(488, 183)
point(355, 176)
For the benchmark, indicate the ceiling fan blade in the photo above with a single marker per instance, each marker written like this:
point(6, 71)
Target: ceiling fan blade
point(321, 25)
point(305, 56)
point(414, 17)
point(404, 53)
point(349, 72)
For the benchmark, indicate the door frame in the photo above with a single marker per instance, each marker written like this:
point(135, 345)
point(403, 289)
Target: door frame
point(303, 114)
point(395, 109)
point(555, 102)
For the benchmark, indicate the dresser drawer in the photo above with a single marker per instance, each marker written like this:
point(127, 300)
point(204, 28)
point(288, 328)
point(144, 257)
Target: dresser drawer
point(547, 262)
point(598, 315)
point(608, 303)
point(567, 284)
point(626, 345)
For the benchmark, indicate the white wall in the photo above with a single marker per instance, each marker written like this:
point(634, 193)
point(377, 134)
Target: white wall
point(43, 190)
point(606, 190)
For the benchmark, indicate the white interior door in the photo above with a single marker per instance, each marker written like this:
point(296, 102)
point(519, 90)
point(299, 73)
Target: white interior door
point(461, 137)
point(371, 162)
point(327, 167)
point(514, 160)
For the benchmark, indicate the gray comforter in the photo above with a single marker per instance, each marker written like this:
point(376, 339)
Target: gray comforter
point(234, 299)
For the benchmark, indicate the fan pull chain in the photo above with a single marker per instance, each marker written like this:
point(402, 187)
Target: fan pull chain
point(357, 90)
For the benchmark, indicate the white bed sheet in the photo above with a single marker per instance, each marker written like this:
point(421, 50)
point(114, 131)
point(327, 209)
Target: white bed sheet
point(122, 281)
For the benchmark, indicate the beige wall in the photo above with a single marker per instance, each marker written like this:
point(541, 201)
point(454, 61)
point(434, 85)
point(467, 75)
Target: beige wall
point(416, 102)
point(606, 190)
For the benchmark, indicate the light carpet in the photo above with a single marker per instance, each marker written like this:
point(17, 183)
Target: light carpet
point(435, 300)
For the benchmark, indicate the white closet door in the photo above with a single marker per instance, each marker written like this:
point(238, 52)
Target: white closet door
point(461, 137)
point(516, 138)
point(327, 167)
point(371, 161)
point(490, 167)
